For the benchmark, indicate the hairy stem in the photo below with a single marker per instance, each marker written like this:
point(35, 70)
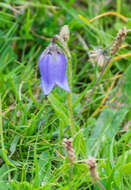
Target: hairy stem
point(69, 96)
point(72, 123)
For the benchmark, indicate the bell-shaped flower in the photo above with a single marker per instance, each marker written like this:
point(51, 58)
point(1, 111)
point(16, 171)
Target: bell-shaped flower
point(52, 65)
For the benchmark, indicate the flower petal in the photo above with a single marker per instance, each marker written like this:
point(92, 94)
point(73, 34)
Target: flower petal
point(53, 71)
point(64, 84)
point(47, 88)
point(60, 77)
point(46, 66)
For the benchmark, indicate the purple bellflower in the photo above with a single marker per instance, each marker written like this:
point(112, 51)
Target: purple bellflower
point(52, 65)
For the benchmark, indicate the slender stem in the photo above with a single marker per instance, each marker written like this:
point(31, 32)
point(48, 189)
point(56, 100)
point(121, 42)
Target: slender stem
point(95, 86)
point(69, 96)
point(72, 123)
point(118, 6)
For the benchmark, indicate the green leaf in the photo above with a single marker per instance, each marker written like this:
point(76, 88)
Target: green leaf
point(3, 185)
point(106, 127)
point(124, 159)
point(44, 166)
point(80, 144)
point(3, 172)
point(59, 108)
point(126, 169)
point(14, 144)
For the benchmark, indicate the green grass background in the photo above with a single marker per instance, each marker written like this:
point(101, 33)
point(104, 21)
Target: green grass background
point(32, 127)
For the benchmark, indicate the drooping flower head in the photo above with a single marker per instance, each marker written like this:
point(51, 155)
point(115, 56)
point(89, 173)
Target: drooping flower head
point(52, 65)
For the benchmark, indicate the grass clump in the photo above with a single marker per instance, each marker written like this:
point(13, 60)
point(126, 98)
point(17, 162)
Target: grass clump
point(32, 126)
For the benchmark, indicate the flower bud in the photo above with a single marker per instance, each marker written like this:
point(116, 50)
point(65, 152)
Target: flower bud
point(53, 65)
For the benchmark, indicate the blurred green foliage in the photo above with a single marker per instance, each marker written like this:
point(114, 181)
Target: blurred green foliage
point(34, 126)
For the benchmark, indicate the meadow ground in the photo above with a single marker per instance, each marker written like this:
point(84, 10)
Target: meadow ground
point(33, 126)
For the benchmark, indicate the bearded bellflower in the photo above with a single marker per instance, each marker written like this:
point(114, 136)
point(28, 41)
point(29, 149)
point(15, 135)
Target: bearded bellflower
point(52, 65)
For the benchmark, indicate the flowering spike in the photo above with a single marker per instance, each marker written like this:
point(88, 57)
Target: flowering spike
point(70, 150)
point(121, 35)
point(52, 65)
point(65, 33)
point(91, 164)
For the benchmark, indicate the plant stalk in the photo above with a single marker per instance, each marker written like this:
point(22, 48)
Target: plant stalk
point(69, 96)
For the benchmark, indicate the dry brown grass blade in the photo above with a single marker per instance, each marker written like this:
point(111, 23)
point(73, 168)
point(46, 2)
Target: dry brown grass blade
point(109, 13)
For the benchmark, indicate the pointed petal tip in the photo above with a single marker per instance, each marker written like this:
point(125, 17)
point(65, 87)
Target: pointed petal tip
point(64, 84)
point(46, 88)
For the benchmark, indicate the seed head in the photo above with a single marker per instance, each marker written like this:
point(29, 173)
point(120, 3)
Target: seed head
point(121, 35)
point(64, 33)
point(91, 164)
point(99, 55)
point(70, 150)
